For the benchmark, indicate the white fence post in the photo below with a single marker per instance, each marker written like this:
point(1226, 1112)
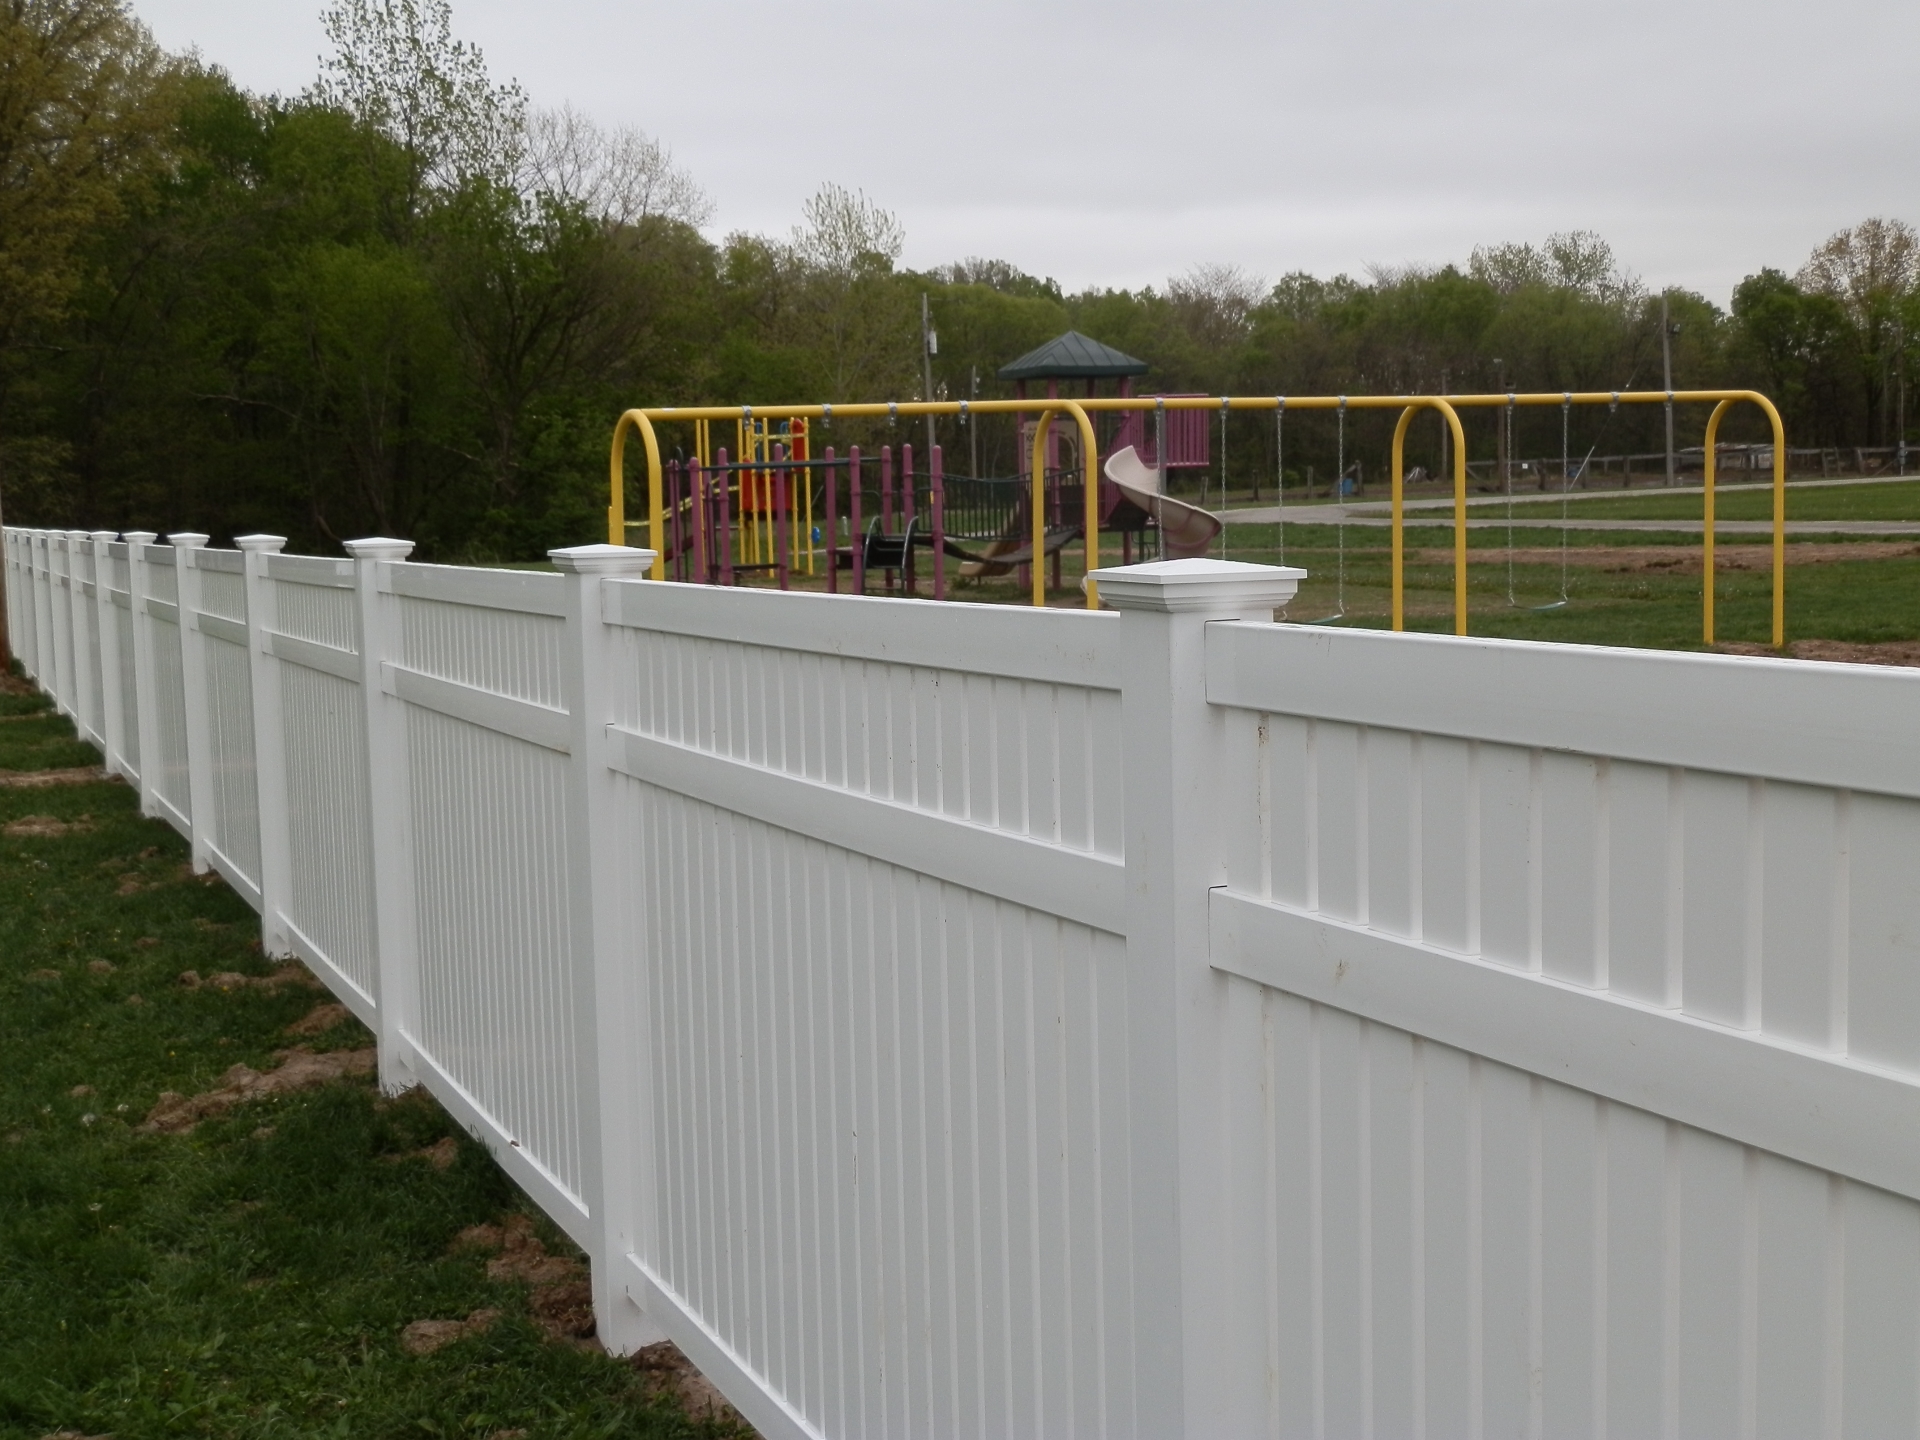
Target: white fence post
point(193, 685)
point(1171, 740)
point(138, 587)
point(389, 809)
point(607, 997)
point(269, 746)
point(108, 630)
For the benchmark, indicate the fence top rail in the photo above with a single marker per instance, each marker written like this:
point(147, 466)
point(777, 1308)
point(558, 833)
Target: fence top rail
point(159, 553)
point(231, 562)
point(311, 570)
point(1057, 647)
point(529, 592)
point(1841, 726)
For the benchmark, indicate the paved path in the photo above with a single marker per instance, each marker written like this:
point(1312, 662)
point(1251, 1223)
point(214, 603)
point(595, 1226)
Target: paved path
point(1547, 497)
point(1331, 515)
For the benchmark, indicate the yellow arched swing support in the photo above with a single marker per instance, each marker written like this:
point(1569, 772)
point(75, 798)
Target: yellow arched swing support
point(643, 421)
point(1722, 401)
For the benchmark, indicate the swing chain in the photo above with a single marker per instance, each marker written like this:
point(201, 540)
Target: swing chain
point(893, 413)
point(963, 412)
point(826, 417)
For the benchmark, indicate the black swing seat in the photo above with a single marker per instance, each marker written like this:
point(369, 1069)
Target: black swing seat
point(890, 552)
point(879, 550)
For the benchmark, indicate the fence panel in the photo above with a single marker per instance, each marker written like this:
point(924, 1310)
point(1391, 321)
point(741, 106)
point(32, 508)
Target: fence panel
point(168, 777)
point(124, 758)
point(89, 705)
point(60, 583)
point(477, 665)
point(1557, 993)
point(40, 567)
point(311, 638)
point(876, 904)
point(231, 827)
point(17, 644)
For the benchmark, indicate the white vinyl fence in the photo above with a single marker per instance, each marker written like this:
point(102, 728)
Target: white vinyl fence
point(947, 1020)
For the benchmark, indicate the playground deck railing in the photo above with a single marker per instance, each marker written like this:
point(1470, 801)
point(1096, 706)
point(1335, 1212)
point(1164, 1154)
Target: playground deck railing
point(978, 1020)
point(1080, 412)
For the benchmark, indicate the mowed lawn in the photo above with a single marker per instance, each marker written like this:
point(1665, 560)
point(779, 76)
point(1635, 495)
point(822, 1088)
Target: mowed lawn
point(1620, 587)
point(252, 1278)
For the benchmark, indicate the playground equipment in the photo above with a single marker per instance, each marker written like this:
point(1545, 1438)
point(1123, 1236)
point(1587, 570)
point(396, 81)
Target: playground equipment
point(1081, 411)
point(1185, 530)
point(1043, 543)
point(1182, 445)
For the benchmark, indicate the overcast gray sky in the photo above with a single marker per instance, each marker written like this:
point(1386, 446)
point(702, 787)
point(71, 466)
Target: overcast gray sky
point(1119, 143)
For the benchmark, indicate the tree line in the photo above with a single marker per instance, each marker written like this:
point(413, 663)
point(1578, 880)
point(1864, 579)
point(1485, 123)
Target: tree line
point(407, 301)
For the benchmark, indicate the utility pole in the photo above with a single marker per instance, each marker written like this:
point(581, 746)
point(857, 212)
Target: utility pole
point(1501, 423)
point(1666, 371)
point(1900, 392)
point(929, 347)
point(973, 422)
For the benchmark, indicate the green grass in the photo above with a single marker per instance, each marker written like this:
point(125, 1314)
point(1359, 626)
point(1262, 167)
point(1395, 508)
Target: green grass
point(250, 1279)
point(1895, 500)
point(1866, 600)
point(1855, 600)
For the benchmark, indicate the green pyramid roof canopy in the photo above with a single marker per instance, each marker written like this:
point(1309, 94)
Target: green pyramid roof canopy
point(1073, 356)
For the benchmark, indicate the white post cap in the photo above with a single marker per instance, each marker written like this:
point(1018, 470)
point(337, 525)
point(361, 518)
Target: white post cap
point(602, 560)
point(1219, 587)
point(187, 539)
point(139, 537)
point(107, 536)
point(264, 544)
point(378, 548)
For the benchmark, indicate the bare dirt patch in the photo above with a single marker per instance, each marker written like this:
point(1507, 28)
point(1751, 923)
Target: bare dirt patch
point(46, 827)
point(1655, 559)
point(560, 1297)
point(12, 684)
point(664, 1369)
point(227, 981)
point(423, 1337)
point(41, 779)
point(1847, 652)
point(440, 1155)
point(561, 1303)
point(320, 1018)
point(299, 1069)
